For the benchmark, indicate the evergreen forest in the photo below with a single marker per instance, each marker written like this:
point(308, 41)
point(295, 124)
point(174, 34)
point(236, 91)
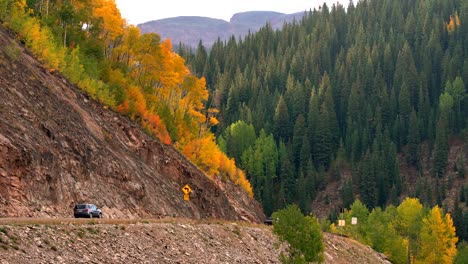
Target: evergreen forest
point(372, 95)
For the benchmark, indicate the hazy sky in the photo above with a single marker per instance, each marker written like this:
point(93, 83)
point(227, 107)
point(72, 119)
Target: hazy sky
point(139, 11)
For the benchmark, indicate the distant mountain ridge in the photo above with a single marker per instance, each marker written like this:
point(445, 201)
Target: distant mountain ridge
point(189, 30)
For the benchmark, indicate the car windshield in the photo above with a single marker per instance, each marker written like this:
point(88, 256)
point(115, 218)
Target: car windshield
point(81, 206)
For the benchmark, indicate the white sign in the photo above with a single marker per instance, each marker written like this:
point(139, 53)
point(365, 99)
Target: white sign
point(354, 220)
point(341, 223)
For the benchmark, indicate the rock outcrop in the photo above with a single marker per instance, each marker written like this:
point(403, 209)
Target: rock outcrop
point(59, 147)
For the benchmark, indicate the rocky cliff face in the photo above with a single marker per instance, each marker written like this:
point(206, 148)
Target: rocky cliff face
point(59, 147)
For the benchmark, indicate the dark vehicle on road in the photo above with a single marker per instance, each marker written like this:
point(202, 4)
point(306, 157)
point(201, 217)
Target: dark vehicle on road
point(87, 210)
point(268, 221)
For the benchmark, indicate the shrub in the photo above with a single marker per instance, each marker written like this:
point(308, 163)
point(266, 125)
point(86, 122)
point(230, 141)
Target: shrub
point(301, 232)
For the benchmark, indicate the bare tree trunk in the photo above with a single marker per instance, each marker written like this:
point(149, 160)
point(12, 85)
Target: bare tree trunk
point(47, 8)
point(65, 35)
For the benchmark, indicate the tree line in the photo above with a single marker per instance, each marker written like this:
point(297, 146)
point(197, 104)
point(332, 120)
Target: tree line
point(407, 233)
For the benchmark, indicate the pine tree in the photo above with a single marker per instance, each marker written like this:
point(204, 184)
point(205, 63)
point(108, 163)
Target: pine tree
point(414, 149)
point(457, 216)
point(299, 133)
point(441, 141)
point(404, 106)
point(323, 150)
point(281, 120)
point(367, 182)
point(302, 194)
point(347, 192)
point(464, 229)
point(457, 91)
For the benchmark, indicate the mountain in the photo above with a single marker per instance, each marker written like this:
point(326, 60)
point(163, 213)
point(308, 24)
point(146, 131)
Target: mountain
point(189, 30)
point(59, 147)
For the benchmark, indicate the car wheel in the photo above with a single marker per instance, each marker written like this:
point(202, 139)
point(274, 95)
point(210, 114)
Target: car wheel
point(100, 216)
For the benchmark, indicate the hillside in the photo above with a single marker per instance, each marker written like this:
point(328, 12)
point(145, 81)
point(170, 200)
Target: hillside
point(169, 241)
point(59, 147)
point(190, 30)
point(347, 105)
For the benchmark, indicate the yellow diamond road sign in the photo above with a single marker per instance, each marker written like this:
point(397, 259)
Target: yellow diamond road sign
point(186, 189)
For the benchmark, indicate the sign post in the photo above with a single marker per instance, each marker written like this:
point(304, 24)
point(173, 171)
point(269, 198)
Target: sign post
point(341, 224)
point(186, 190)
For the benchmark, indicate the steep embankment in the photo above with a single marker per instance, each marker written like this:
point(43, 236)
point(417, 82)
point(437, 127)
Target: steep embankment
point(59, 147)
point(170, 241)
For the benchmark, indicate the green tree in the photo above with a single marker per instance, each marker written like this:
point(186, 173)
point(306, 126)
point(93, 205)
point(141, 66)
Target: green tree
point(303, 196)
point(367, 184)
point(361, 212)
point(347, 193)
point(404, 107)
point(299, 133)
point(441, 147)
point(458, 93)
point(408, 223)
point(382, 235)
point(239, 136)
point(281, 120)
point(462, 256)
point(414, 149)
point(301, 232)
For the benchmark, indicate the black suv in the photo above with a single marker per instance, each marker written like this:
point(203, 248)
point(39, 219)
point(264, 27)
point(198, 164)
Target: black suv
point(87, 210)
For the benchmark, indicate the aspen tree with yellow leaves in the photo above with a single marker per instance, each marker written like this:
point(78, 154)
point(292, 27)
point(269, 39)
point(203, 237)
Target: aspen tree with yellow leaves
point(438, 239)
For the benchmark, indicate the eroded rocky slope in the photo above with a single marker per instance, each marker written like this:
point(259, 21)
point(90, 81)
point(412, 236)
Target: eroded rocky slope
point(166, 241)
point(59, 147)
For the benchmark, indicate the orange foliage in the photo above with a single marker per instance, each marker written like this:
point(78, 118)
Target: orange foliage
point(124, 107)
point(159, 129)
point(236, 175)
point(151, 121)
point(454, 21)
point(207, 155)
point(202, 152)
point(243, 182)
point(213, 121)
point(109, 14)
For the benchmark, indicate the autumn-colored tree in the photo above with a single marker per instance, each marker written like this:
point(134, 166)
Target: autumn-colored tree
point(109, 21)
point(454, 21)
point(438, 239)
